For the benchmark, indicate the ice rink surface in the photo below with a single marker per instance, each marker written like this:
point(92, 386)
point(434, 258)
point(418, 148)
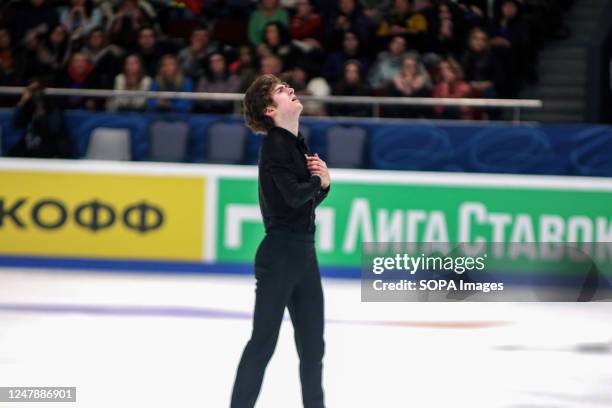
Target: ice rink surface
point(153, 340)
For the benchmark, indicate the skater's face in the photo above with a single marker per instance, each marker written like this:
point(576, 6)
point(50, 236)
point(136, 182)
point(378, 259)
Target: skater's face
point(286, 103)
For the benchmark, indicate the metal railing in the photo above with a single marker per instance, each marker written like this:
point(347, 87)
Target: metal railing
point(376, 101)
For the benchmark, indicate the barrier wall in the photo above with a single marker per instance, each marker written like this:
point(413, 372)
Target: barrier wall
point(205, 218)
point(568, 149)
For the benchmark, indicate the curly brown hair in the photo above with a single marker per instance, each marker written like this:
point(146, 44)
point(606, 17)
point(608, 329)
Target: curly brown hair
point(256, 99)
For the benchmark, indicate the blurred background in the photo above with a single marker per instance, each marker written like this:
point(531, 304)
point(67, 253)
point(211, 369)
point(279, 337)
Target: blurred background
point(128, 193)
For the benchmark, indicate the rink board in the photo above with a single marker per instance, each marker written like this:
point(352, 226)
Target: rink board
point(200, 218)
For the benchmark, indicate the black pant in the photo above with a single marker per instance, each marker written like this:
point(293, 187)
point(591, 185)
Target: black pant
point(287, 275)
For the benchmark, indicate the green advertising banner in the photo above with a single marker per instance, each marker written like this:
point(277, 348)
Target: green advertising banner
point(395, 207)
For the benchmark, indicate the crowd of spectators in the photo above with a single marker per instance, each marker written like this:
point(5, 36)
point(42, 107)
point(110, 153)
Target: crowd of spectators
point(442, 48)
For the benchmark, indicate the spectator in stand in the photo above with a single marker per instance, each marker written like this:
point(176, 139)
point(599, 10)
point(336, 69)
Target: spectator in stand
point(127, 23)
point(395, 21)
point(9, 74)
point(54, 51)
point(277, 42)
point(388, 63)
point(149, 50)
point(419, 24)
point(482, 71)
point(268, 11)
point(38, 15)
point(176, 16)
point(447, 33)
point(510, 40)
point(290, 5)
point(30, 69)
point(479, 7)
point(348, 17)
point(79, 75)
point(245, 67)
point(81, 17)
point(412, 81)
point(192, 58)
point(8, 59)
point(133, 78)
point(44, 127)
point(351, 84)
point(298, 80)
point(535, 17)
point(170, 79)
point(423, 5)
point(306, 30)
point(375, 10)
point(217, 79)
point(334, 68)
point(450, 84)
point(306, 25)
point(104, 57)
point(475, 12)
point(271, 65)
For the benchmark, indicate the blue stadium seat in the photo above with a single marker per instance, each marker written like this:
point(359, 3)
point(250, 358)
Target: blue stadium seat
point(168, 140)
point(226, 142)
point(109, 144)
point(135, 124)
point(345, 146)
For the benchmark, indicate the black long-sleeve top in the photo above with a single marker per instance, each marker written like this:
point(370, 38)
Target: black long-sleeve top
point(288, 194)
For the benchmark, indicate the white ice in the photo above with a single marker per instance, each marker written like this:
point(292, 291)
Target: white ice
point(524, 355)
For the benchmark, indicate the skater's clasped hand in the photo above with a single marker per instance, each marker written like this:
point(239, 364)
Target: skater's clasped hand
point(318, 167)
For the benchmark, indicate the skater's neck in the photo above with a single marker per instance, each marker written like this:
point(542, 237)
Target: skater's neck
point(289, 124)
